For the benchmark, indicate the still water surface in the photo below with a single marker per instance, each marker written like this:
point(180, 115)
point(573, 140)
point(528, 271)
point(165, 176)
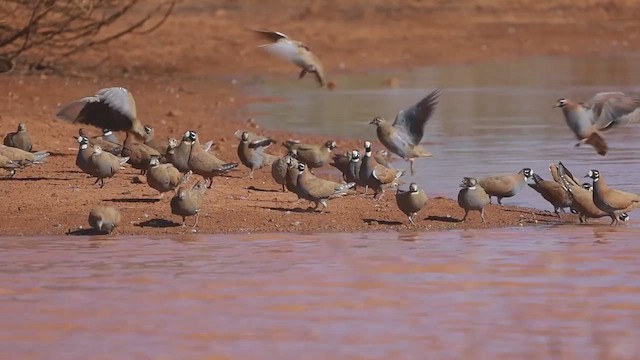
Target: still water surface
point(491, 118)
point(522, 293)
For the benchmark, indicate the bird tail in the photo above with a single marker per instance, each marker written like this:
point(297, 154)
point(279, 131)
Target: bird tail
point(419, 151)
point(228, 167)
point(123, 160)
point(598, 142)
point(40, 155)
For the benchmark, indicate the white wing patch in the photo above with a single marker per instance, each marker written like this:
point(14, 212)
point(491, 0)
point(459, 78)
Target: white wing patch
point(284, 49)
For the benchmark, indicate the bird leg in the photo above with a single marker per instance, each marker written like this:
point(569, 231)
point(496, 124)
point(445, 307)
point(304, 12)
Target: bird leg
point(210, 180)
point(613, 220)
point(284, 188)
point(499, 200)
point(411, 166)
point(466, 213)
point(411, 218)
point(302, 73)
point(324, 206)
point(482, 215)
point(184, 221)
point(196, 223)
point(250, 176)
point(378, 195)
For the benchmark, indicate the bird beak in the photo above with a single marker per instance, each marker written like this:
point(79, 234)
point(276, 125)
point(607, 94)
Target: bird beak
point(372, 122)
point(587, 176)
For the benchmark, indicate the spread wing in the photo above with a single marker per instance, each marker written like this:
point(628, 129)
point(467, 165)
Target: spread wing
point(595, 105)
point(617, 111)
point(112, 108)
point(261, 143)
point(271, 35)
point(411, 121)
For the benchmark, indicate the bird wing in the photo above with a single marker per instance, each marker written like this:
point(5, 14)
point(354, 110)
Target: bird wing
point(284, 49)
point(620, 199)
point(71, 111)
point(566, 175)
point(411, 121)
point(595, 104)
point(111, 108)
point(271, 35)
point(120, 100)
point(619, 110)
point(261, 143)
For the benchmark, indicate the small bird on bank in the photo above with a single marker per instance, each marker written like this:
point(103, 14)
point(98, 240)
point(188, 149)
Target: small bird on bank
point(374, 175)
point(138, 153)
point(314, 155)
point(291, 179)
point(22, 157)
point(83, 157)
point(163, 177)
point(553, 192)
point(159, 145)
point(411, 202)
point(187, 202)
point(111, 108)
point(472, 197)
point(404, 136)
point(319, 190)
point(612, 201)
point(178, 154)
point(605, 111)
point(104, 164)
point(206, 164)
point(508, 185)
point(279, 170)
point(251, 152)
point(295, 51)
point(104, 219)
point(19, 139)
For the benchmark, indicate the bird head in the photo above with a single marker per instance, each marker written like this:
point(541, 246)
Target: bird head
point(624, 217)
point(182, 193)
point(83, 140)
point(331, 144)
point(107, 132)
point(377, 121)
point(587, 186)
point(526, 172)
point(594, 174)
point(245, 136)
point(22, 127)
point(192, 135)
point(301, 167)
point(97, 150)
point(469, 183)
point(154, 161)
point(367, 148)
point(355, 156)
point(561, 103)
point(413, 187)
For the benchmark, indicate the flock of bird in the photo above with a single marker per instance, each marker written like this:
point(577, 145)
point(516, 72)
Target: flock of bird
point(169, 163)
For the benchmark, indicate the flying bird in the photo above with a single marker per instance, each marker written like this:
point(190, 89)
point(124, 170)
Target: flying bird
point(294, 51)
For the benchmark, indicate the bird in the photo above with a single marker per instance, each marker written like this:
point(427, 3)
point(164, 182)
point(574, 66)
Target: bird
point(160, 145)
point(106, 145)
point(178, 155)
point(612, 201)
point(138, 153)
point(553, 192)
point(605, 111)
point(472, 197)
point(383, 157)
point(404, 136)
point(110, 108)
point(83, 157)
point(312, 188)
point(411, 202)
point(108, 135)
point(104, 219)
point(105, 164)
point(291, 179)
point(295, 51)
point(353, 170)
point(508, 185)
point(251, 152)
point(187, 202)
point(163, 177)
point(19, 139)
point(206, 164)
point(22, 157)
point(341, 162)
point(279, 170)
point(314, 155)
point(374, 175)
point(7, 164)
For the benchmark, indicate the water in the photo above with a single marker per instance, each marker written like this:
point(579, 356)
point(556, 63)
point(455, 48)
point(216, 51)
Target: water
point(500, 294)
point(492, 118)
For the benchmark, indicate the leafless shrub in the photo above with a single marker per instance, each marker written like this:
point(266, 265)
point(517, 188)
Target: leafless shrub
point(49, 30)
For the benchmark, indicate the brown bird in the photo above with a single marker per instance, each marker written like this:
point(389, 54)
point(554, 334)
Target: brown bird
point(83, 158)
point(313, 155)
point(411, 202)
point(279, 170)
point(114, 148)
point(508, 185)
point(553, 192)
point(383, 157)
point(104, 219)
point(178, 155)
point(163, 177)
point(341, 162)
point(318, 190)
point(19, 139)
point(472, 197)
point(206, 164)
point(612, 201)
point(187, 202)
point(404, 136)
point(111, 108)
point(294, 51)
point(138, 153)
point(160, 145)
point(375, 175)
point(606, 110)
point(7, 164)
point(105, 164)
point(22, 157)
point(251, 152)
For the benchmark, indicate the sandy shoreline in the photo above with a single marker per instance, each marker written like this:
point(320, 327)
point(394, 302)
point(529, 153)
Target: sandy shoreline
point(53, 198)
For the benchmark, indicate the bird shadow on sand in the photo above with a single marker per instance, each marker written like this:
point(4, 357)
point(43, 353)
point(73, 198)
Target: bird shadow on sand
point(262, 190)
point(35, 178)
point(448, 219)
point(296, 210)
point(381, 222)
point(134, 200)
point(158, 223)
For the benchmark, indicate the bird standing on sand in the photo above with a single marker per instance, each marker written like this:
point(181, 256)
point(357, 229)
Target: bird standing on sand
point(106, 145)
point(104, 219)
point(138, 153)
point(553, 192)
point(313, 155)
point(319, 190)
point(279, 170)
point(19, 139)
point(251, 152)
point(612, 201)
point(105, 164)
point(606, 110)
point(508, 185)
point(206, 164)
point(374, 175)
point(294, 51)
point(404, 136)
point(411, 202)
point(111, 108)
point(163, 177)
point(472, 197)
point(22, 157)
point(187, 202)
